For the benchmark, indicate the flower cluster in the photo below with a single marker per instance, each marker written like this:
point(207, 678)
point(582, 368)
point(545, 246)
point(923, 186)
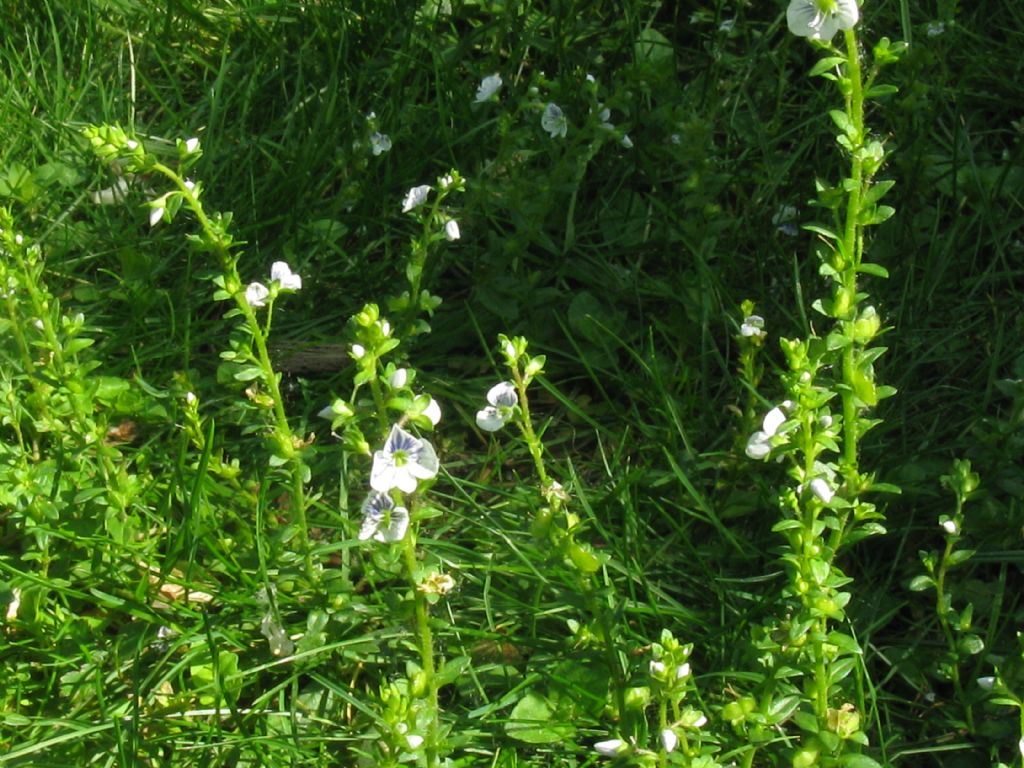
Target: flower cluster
point(760, 443)
point(502, 400)
point(282, 279)
point(401, 465)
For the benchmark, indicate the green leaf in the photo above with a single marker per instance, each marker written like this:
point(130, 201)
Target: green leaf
point(248, 373)
point(530, 722)
point(845, 643)
point(782, 709)
point(843, 122)
point(874, 269)
point(921, 583)
point(877, 191)
point(851, 760)
point(452, 670)
point(971, 645)
point(960, 556)
point(877, 91)
point(825, 65)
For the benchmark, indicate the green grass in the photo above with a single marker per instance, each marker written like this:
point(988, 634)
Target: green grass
point(625, 267)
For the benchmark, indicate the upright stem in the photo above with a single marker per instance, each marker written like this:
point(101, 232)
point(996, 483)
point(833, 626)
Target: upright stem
point(426, 648)
point(851, 253)
point(282, 429)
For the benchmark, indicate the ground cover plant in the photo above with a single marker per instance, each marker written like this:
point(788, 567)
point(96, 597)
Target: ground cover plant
point(491, 383)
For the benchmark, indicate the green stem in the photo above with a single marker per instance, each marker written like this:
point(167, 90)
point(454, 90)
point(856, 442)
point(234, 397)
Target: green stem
point(282, 429)
point(426, 648)
point(851, 254)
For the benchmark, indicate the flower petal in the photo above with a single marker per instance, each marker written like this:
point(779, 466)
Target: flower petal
point(490, 419)
point(256, 294)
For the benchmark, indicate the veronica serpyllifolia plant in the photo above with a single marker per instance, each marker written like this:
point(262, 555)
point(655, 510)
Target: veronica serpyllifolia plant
point(817, 428)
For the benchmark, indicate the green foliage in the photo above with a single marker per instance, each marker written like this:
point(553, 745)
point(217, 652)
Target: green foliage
point(190, 573)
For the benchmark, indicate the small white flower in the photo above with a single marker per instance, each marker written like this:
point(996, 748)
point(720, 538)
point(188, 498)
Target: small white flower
point(358, 350)
point(131, 145)
point(414, 740)
point(415, 197)
point(379, 143)
point(605, 116)
point(727, 25)
point(502, 398)
point(700, 722)
point(451, 230)
point(820, 488)
point(626, 142)
point(282, 273)
point(382, 520)
point(820, 19)
point(155, 215)
point(190, 398)
point(683, 670)
point(774, 419)
point(191, 145)
point(753, 325)
point(489, 86)
point(553, 121)
point(949, 526)
point(669, 740)
point(14, 605)
point(399, 378)
point(433, 412)
point(402, 463)
point(610, 748)
point(111, 195)
point(657, 668)
point(935, 28)
point(256, 294)
point(987, 683)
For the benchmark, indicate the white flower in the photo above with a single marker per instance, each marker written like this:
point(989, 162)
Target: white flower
point(987, 683)
point(282, 273)
point(820, 488)
point(610, 748)
point(156, 214)
point(700, 722)
point(451, 230)
point(669, 740)
point(753, 325)
point(415, 197)
point(489, 86)
point(727, 25)
point(433, 412)
point(414, 740)
point(949, 526)
point(382, 520)
point(605, 116)
point(759, 445)
point(683, 670)
point(111, 195)
point(820, 19)
point(402, 463)
point(256, 294)
point(14, 605)
point(358, 350)
point(657, 668)
point(626, 142)
point(553, 121)
point(399, 378)
point(502, 398)
point(935, 28)
point(379, 143)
